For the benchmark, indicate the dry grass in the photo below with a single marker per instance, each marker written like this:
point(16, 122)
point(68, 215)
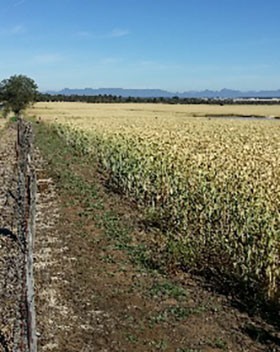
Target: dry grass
point(50, 111)
point(2, 123)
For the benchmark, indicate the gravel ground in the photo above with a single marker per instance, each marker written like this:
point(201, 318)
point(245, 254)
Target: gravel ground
point(10, 248)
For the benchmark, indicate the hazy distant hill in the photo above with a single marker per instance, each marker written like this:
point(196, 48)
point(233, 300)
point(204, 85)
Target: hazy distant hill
point(143, 93)
point(156, 93)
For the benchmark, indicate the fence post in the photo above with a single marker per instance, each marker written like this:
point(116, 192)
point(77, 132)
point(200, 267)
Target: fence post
point(28, 191)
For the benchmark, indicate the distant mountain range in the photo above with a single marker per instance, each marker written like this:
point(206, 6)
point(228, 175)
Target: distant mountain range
point(156, 93)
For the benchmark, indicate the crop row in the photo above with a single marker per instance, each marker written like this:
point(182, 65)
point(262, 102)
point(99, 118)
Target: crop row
point(212, 187)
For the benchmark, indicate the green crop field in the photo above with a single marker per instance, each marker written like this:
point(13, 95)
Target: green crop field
point(211, 185)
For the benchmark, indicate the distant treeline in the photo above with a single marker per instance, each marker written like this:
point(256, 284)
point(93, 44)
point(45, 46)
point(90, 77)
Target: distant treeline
point(43, 97)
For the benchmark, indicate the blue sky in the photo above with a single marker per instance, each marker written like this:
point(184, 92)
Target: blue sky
point(175, 45)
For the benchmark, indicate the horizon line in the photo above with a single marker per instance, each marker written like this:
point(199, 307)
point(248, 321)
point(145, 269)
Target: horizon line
point(167, 90)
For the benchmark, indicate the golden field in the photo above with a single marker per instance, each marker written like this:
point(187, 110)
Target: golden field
point(211, 185)
point(81, 110)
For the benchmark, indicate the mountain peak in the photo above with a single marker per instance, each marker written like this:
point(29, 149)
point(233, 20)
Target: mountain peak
point(156, 93)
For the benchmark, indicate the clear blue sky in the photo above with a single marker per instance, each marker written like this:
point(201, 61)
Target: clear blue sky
point(175, 45)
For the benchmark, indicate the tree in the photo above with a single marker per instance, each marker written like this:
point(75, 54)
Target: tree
point(17, 93)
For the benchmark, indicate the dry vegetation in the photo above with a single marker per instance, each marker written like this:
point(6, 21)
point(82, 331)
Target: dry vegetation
point(81, 110)
point(212, 186)
point(2, 123)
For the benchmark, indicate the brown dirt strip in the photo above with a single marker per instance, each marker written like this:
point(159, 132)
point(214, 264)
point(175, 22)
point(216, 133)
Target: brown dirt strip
point(97, 286)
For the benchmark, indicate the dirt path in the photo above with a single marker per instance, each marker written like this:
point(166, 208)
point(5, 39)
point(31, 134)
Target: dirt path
point(98, 285)
point(10, 248)
point(55, 315)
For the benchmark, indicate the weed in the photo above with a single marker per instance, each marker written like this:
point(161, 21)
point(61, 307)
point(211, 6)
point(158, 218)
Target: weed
point(187, 350)
point(168, 290)
point(108, 259)
point(218, 343)
point(158, 345)
point(162, 317)
point(221, 344)
point(132, 338)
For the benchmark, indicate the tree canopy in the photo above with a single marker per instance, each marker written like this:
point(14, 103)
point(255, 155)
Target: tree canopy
point(17, 92)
